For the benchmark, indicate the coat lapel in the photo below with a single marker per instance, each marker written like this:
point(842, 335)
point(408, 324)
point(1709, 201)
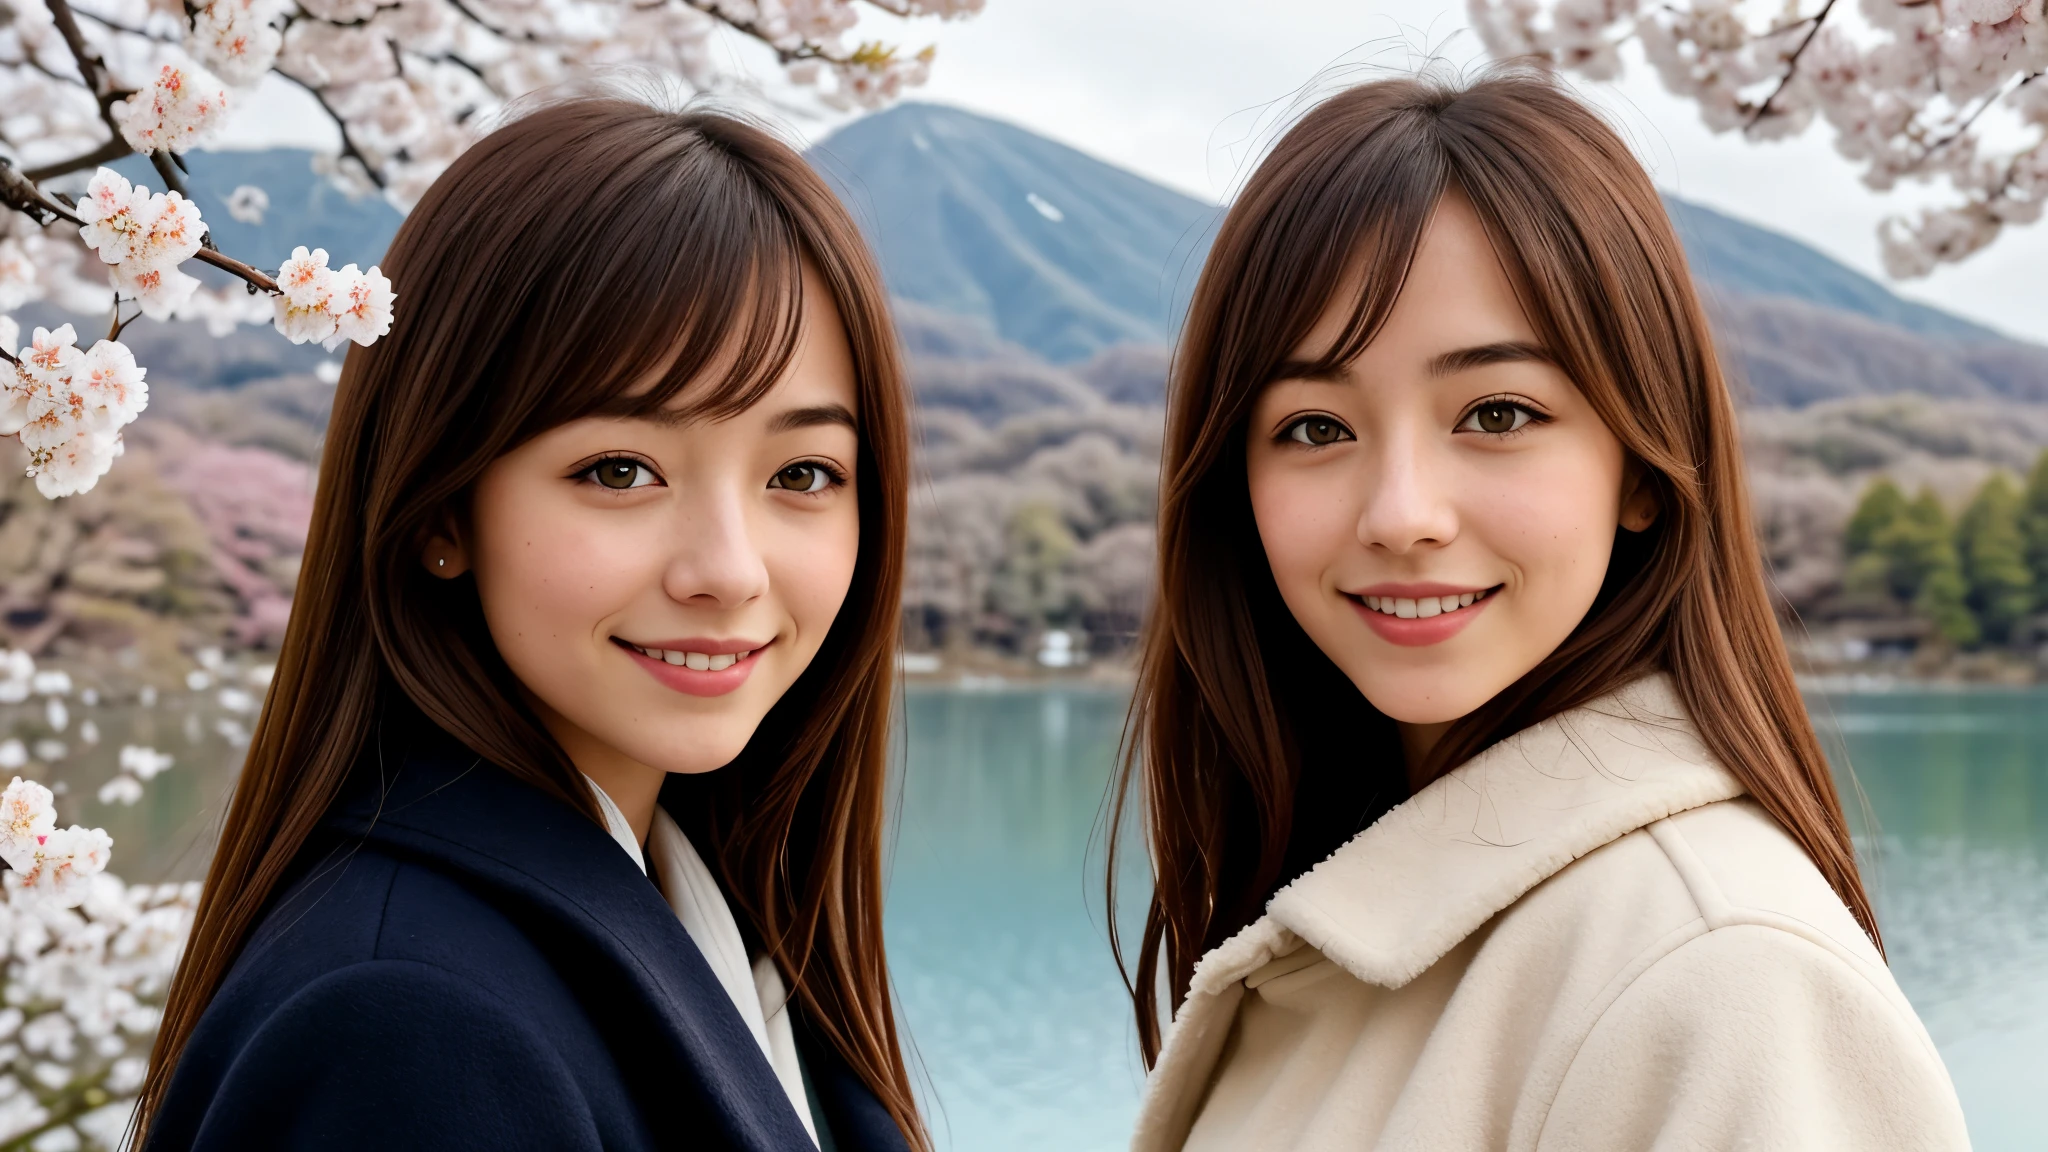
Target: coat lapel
point(571, 889)
point(1407, 890)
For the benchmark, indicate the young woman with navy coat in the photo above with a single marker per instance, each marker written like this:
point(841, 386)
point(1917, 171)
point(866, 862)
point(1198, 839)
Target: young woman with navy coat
point(562, 825)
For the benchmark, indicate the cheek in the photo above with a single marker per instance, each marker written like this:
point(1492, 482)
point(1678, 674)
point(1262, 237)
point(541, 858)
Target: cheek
point(1552, 516)
point(1307, 519)
point(811, 560)
point(547, 569)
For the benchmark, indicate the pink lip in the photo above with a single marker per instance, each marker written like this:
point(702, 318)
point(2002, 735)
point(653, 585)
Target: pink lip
point(1413, 591)
point(691, 681)
point(1417, 633)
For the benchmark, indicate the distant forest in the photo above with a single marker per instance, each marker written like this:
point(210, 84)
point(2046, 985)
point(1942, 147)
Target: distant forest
point(1980, 578)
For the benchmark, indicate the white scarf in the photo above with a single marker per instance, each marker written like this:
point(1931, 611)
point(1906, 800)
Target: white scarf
point(755, 989)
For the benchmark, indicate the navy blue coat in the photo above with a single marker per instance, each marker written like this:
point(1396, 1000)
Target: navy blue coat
point(464, 962)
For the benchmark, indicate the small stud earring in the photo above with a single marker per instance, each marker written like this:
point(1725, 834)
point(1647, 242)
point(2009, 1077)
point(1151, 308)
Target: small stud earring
point(440, 563)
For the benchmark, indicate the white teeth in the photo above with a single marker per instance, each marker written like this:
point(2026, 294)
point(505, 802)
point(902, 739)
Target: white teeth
point(700, 661)
point(1424, 607)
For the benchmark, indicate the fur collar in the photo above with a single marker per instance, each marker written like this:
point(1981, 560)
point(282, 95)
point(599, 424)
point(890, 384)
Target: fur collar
point(1402, 893)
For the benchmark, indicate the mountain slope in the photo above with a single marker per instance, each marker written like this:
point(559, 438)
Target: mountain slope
point(1737, 256)
point(1055, 250)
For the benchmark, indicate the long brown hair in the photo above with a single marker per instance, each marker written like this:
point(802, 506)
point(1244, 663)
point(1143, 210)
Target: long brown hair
point(553, 269)
point(1253, 757)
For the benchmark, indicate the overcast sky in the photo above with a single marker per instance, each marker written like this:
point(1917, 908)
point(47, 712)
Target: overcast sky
point(1180, 91)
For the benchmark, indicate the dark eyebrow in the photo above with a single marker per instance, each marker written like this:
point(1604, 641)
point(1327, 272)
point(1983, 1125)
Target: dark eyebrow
point(813, 416)
point(1446, 364)
point(1500, 352)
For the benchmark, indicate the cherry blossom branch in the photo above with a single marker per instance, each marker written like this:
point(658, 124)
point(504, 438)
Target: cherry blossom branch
point(91, 68)
point(254, 276)
point(1792, 63)
point(348, 143)
point(18, 192)
point(166, 166)
point(112, 150)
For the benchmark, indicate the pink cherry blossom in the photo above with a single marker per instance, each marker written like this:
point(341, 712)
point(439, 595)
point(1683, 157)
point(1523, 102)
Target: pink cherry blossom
point(176, 113)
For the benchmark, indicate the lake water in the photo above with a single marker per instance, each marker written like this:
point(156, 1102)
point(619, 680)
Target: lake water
point(1017, 1014)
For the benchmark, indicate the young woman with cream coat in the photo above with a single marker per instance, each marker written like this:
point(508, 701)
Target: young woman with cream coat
point(1482, 806)
point(562, 825)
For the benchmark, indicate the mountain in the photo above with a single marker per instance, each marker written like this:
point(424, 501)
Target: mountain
point(1045, 252)
point(1053, 249)
point(1066, 255)
point(1743, 258)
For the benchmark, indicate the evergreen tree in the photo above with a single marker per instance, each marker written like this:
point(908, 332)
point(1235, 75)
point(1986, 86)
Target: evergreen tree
point(1916, 545)
point(1993, 552)
point(1943, 602)
point(1882, 506)
point(2034, 524)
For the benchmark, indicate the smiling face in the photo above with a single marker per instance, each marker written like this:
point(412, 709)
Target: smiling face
point(657, 585)
point(1438, 513)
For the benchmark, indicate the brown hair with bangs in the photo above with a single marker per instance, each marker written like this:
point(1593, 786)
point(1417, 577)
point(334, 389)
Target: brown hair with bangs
point(557, 266)
point(1252, 755)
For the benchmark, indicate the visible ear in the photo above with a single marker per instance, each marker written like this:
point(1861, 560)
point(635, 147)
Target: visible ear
point(446, 553)
point(1639, 503)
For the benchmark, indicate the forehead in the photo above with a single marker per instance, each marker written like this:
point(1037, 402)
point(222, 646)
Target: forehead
point(1456, 294)
point(759, 372)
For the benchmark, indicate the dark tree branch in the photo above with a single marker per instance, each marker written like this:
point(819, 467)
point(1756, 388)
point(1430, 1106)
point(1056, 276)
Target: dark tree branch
point(173, 181)
point(91, 68)
point(21, 194)
point(348, 143)
point(112, 150)
point(1791, 65)
point(1963, 126)
point(226, 263)
point(493, 29)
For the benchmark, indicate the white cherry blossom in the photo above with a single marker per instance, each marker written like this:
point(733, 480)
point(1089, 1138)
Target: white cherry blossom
point(178, 111)
point(1933, 92)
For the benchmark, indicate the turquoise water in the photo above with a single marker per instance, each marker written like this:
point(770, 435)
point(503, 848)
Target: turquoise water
point(1003, 966)
point(996, 935)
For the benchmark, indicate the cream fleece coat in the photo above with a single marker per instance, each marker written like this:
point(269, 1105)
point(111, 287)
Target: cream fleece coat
point(1584, 938)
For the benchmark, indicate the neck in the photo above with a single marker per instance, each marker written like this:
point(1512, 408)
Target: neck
point(1417, 740)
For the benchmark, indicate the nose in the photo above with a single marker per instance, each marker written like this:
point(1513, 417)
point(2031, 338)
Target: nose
point(717, 561)
point(1408, 504)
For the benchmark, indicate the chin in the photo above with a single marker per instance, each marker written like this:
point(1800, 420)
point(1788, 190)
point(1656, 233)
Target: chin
point(691, 749)
point(1425, 695)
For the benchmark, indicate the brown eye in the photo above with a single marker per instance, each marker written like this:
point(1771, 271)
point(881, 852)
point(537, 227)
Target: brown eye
point(1496, 417)
point(803, 477)
point(621, 472)
point(1317, 431)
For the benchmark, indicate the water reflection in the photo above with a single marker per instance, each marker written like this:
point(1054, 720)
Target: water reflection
point(1957, 788)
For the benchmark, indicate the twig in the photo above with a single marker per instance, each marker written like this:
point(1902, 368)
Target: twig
point(229, 264)
point(1956, 133)
point(112, 150)
point(18, 193)
point(8, 356)
point(493, 29)
point(91, 68)
point(1791, 65)
point(348, 144)
point(173, 181)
